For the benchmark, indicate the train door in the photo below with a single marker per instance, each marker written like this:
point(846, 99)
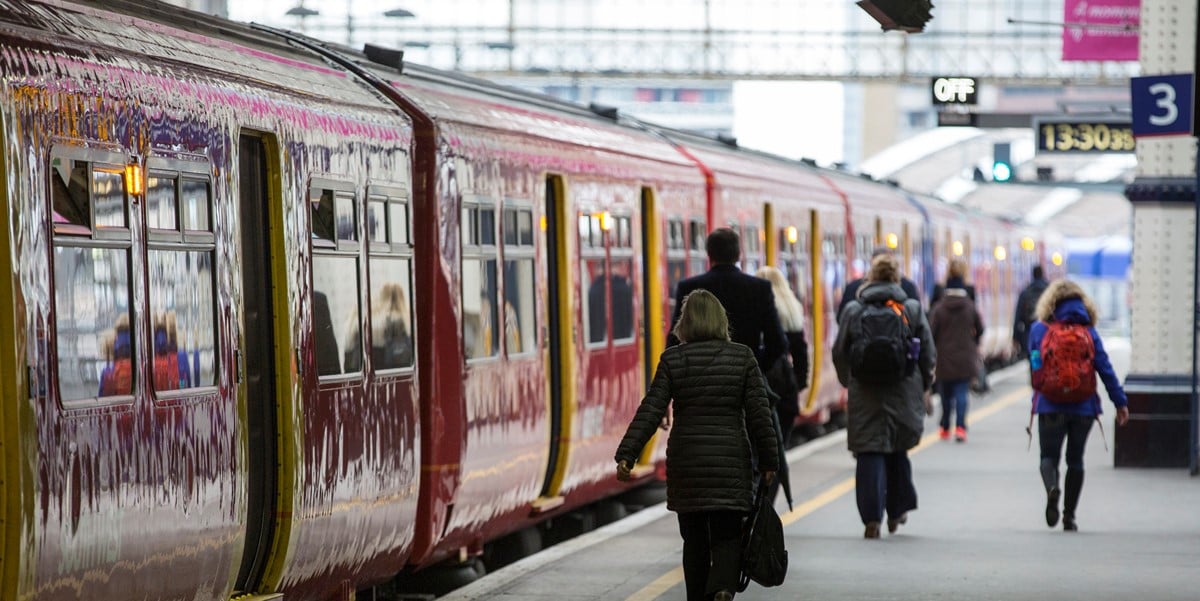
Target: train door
point(558, 331)
point(256, 358)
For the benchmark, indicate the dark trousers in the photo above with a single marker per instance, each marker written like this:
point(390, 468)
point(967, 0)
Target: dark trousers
point(883, 481)
point(712, 552)
point(1053, 429)
point(954, 401)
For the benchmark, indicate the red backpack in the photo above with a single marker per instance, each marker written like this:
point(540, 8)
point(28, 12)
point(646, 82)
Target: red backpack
point(1067, 374)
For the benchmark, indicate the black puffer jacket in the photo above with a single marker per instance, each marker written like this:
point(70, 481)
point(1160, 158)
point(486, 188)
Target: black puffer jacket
point(719, 398)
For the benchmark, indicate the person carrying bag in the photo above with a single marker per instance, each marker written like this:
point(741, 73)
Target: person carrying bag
point(764, 553)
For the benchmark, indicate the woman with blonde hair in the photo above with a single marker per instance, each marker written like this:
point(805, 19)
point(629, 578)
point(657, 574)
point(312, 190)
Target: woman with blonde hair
point(1064, 347)
point(886, 378)
point(789, 375)
point(720, 406)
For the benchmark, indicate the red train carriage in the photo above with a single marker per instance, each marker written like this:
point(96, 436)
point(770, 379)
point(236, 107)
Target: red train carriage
point(283, 320)
point(183, 209)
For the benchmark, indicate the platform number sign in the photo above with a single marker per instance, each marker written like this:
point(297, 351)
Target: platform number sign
point(1162, 104)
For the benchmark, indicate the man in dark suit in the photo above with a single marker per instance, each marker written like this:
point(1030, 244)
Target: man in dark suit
point(851, 289)
point(748, 300)
point(753, 320)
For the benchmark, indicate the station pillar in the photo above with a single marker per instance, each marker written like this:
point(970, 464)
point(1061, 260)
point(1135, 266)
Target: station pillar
point(1160, 384)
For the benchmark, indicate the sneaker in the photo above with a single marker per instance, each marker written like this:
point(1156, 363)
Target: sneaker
point(894, 525)
point(872, 530)
point(1052, 509)
point(723, 596)
point(960, 434)
point(943, 434)
point(1069, 524)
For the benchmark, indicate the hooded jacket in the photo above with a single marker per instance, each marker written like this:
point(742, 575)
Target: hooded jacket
point(889, 418)
point(1075, 310)
point(720, 403)
point(956, 327)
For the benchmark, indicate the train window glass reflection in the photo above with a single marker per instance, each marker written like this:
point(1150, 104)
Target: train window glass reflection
point(624, 239)
point(183, 308)
point(335, 312)
point(398, 222)
point(595, 301)
point(161, 212)
point(518, 306)
point(391, 315)
point(108, 196)
point(525, 228)
point(347, 224)
point(480, 314)
point(698, 236)
point(675, 237)
point(620, 288)
point(487, 226)
point(509, 227)
point(93, 328)
point(585, 231)
point(69, 193)
point(321, 203)
point(377, 219)
point(195, 205)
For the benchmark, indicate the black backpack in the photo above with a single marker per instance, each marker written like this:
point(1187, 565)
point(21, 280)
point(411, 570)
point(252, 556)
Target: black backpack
point(881, 355)
point(764, 557)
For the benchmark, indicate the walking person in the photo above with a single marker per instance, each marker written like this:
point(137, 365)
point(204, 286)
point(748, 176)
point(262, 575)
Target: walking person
point(1026, 312)
point(720, 406)
point(850, 292)
point(748, 301)
point(1066, 354)
point(789, 374)
point(884, 355)
point(750, 307)
point(957, 327)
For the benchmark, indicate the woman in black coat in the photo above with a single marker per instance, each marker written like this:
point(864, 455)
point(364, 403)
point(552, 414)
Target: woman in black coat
point(720, 406)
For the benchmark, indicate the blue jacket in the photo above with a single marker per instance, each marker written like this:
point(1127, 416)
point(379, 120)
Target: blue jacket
point(1072, 310)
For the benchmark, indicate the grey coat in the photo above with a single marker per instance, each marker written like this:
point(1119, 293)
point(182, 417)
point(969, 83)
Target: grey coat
point(884, 419)
point(720, 406)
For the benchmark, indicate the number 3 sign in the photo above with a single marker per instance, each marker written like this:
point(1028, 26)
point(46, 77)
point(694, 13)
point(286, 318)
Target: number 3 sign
point(1162, 104)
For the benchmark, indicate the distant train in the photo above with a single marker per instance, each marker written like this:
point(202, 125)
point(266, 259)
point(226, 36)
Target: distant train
point(280, 319)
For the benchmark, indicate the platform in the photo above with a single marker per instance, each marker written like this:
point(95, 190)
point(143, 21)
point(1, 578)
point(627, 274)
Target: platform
point(979, 533)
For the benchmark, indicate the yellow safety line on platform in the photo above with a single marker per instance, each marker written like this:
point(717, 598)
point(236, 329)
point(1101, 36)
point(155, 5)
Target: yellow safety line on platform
point(669, 580)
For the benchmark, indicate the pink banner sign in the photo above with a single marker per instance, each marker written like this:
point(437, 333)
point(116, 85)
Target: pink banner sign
point(1101, 30)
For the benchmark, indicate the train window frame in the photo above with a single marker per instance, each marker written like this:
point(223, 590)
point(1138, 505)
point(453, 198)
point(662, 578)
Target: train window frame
point(391, 249)
point(186, 240)
point(97, 239)
point(519, 249)
point(620, 250)
point(336, 247)
point(109, 161)
point(478, 243)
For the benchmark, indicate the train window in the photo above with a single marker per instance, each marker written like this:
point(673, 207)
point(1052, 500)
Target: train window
point(699, 235)
point(196, 205)
point(95, 342)
point(180, 272)
point(480, 289)
point(624, 235)
point(183, 309)
point(108, 197)
point(621, 289)
point(390, 269)
point(519, 286)
point(595, 302)
point(161, 213)
point(391, 315)
point(377, 219)
point(94, 328)
point(480, 315)
point(675, 237)
point(335, 279)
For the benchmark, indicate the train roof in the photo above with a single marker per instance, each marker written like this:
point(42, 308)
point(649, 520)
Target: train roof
point(121, 32)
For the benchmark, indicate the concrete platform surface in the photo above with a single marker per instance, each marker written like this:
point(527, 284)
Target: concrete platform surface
point(979, 533)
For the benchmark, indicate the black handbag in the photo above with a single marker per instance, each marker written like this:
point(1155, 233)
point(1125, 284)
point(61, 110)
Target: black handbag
point(764, 557)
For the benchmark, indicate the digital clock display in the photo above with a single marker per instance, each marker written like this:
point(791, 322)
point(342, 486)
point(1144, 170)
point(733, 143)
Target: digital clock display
point(1084, 136)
